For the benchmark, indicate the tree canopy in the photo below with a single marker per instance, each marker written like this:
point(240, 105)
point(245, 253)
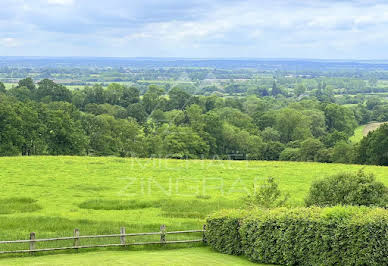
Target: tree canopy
point(120, 120)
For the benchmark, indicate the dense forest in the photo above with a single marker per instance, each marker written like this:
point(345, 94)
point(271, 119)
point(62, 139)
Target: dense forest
point(47, 118)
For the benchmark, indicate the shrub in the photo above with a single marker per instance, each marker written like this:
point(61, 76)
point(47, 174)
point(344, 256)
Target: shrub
point(290, 154)
point(342, 152)
point(348, 189)
point(323, 156)
point(266, 195)
point(309, 149)
point(272, 150)
point(306, 236)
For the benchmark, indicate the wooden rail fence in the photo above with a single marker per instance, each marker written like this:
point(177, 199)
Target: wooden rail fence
point(123, 240)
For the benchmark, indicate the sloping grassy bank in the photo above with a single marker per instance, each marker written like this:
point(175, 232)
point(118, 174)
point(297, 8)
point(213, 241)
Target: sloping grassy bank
point(53, 195)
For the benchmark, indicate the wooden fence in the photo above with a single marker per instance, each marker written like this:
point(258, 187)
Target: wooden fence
point(123, 240)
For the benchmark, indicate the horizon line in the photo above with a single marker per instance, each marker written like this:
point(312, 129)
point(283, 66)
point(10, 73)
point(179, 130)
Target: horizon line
point(189, 58)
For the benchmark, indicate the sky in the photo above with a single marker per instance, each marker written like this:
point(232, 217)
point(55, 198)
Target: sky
point(324, 29)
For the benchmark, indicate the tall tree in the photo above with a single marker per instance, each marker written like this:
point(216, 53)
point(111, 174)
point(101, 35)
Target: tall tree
point(275, 89)
point(374, 147)
point(151, 99)
point(28, 83)
point(10, 124)
point(340, 118)
point(178, 98)
point(292, 125)
point(183, 142)
point(94, 94)
point(131, 95)
point(64, 132)
point(2, 88)
point(49, 91)
point(21, 93)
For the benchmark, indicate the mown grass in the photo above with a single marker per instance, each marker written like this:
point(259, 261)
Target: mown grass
point(189, 256)
point(52, 196)
point(358, 134)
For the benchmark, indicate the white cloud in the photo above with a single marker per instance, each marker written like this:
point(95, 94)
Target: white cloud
point(272, 28)
point(60, 2)
point(9, 42)
point(137, 36)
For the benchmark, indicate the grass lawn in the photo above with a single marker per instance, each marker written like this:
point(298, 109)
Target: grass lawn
point(53, 195)
point(358, 134)
point(188, 256)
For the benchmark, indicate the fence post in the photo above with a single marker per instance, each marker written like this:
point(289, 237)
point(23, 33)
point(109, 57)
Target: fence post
point(163, 233)
point(76, 239)
point(122, 237)
point(203, 234)
point(32, 243)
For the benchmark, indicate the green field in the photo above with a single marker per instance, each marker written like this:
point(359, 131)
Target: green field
point(165, 81)
point(9, 85)
point(188, 256)
point(358, 134)
point(73, 87)
point(53, 195)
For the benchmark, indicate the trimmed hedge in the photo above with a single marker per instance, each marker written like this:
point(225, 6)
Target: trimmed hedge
point(304, 236)
point(222, 232)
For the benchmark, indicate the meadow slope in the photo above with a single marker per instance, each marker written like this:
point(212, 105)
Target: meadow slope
point(190, 256)
point(53, 195)
point(363, 130)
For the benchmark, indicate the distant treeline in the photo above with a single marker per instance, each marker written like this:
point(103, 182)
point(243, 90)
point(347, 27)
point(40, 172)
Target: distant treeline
point(47, 118)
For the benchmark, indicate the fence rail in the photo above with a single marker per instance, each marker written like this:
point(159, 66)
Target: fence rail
point(77, 237)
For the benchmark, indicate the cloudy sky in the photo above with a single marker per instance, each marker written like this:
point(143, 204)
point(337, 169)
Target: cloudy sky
point(328, 29)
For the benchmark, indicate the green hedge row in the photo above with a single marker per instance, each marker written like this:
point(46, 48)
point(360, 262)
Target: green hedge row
point(222, 231)
point(303, 236)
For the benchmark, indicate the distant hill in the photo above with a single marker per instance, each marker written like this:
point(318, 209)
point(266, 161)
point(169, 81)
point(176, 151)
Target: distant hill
point(223, 63)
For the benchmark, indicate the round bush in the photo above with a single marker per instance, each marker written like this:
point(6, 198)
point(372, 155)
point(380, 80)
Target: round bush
point(290, 154)
point(348, 189)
